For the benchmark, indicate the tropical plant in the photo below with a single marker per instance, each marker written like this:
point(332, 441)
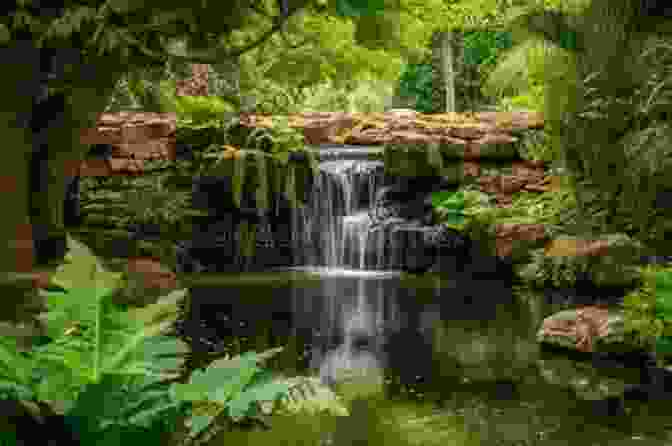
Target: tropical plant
point(450, 208)
point(100, 352)
point(648, 311)
point(602, 116)
point(416, 83)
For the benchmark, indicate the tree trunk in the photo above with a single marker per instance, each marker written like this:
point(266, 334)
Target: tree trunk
point(448, 69)
point(34, 197)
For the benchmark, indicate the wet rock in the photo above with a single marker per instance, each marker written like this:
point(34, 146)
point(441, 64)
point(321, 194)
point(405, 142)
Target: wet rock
point(585, 329)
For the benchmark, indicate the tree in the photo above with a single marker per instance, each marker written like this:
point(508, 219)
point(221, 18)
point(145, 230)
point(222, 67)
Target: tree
point(611, 120)
point(62, 64)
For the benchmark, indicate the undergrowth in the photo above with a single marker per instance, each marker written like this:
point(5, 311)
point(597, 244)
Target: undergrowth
point(112, 373)
point(648, 310)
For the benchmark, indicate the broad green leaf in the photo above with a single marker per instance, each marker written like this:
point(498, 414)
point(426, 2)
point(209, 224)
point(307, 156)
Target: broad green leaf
point(452, 200)
point(13, 365)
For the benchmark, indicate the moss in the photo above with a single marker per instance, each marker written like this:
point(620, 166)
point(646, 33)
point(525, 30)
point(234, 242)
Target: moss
point(413, 160)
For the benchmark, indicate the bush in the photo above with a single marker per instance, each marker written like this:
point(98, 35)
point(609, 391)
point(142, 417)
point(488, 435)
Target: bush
point(648, 310)
point(97, 351)
point(415, 84)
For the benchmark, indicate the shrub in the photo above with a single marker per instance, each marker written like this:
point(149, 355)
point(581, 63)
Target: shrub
point(128, 362)
point(648, 310)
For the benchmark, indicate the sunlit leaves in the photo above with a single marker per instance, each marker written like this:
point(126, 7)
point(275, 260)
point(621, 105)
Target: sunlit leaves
point(359, 8)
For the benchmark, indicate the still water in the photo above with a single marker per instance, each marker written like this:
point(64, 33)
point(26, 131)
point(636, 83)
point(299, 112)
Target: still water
point(459, 354)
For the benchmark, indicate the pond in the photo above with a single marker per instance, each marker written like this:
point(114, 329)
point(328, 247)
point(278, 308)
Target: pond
point(461, 357)
point(455, 357)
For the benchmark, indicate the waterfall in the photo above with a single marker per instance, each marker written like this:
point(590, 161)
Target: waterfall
point(332, 237)
point(333, 229)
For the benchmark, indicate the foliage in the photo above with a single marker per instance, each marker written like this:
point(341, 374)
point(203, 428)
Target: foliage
point(647, 309)
point(416, 82)
point(554, 271)
point(126, 360)
point(600, 114)
point(363, 95)
point(234, 385)
point(561, 271)
point(279, 138)
point(483, 47)
point(520, 76)
point(308, 395)
point(450, 208)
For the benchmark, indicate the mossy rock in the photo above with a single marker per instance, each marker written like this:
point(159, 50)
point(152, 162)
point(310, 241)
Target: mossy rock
point(413, 160)
point(615, 340)
point(616, 268)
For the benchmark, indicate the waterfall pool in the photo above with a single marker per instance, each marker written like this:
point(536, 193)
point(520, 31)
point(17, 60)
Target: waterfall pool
point(460, 363)
point(451, 360)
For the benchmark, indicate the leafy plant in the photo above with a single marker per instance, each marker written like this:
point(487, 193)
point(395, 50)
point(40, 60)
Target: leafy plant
point(450, 208)
point(553, 271)
point(278, 139)
point(416, 83)
point(648, 310)
point(108, 370)
point(234, 385)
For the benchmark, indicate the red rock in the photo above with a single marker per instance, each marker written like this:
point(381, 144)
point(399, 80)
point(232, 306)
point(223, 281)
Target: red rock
point(472, 169)
point(95, 168)
point(470, 131)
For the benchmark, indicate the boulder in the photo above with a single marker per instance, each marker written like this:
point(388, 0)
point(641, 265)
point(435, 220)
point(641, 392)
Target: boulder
point(585, 329)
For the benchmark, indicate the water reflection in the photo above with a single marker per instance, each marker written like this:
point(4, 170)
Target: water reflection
point(470, 348)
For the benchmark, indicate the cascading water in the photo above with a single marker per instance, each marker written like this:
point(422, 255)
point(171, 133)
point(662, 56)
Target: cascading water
point(335, 241)
point(334, 227)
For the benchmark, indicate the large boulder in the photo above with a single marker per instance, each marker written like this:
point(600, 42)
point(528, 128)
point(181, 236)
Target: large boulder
point(586, 329)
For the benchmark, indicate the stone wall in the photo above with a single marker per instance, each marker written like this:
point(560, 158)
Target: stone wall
point(134, 137)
